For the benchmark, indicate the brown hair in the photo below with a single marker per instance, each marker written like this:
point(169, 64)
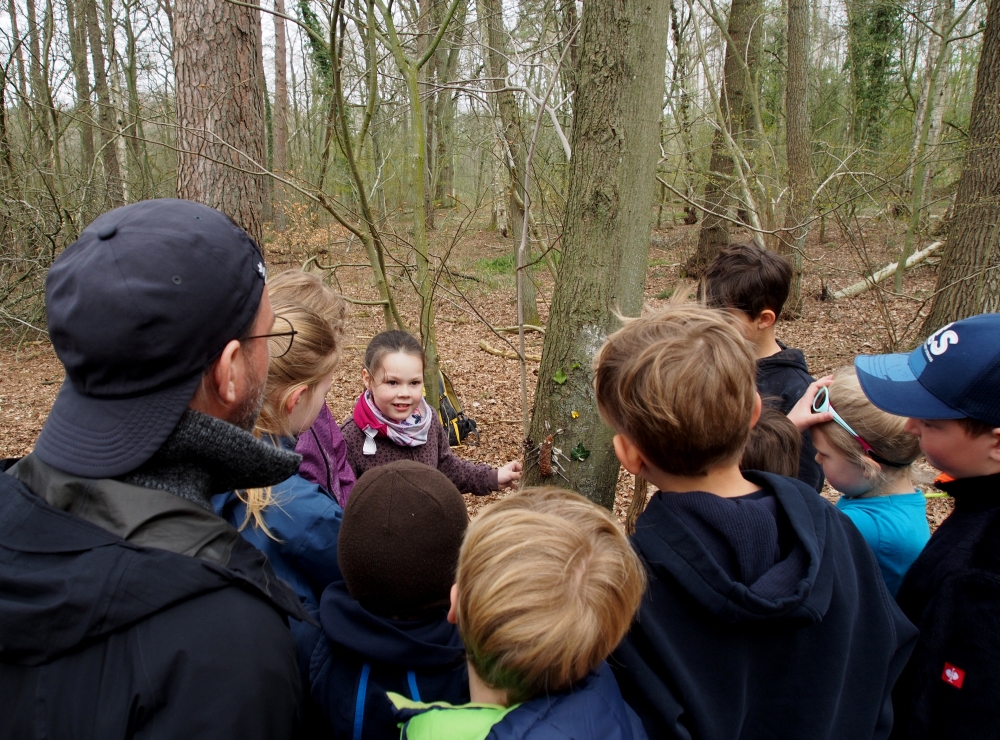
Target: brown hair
point(547, 587)
point(774, 445)
point(390, 342)
point(749, 279)
point(312, 356)
point(309, 290)
point(974, 427)
point(681, 385)
point(884, 432)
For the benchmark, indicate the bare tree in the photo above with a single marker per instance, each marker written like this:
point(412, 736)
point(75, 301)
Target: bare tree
point(220, 111)
point(606, 227)
point(797, 146)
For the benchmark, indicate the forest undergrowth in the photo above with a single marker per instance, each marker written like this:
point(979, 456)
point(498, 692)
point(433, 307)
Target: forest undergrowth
point(479, 289)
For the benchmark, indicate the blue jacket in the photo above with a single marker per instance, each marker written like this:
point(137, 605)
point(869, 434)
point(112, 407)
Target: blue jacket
point(806, 643)
point(306, 522)
point(895, 527)
point(593, 709)
point(359, 656)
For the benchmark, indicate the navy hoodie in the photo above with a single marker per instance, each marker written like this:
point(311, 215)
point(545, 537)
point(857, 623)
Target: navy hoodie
point(360, 656)
point(765, 616)
point(102, 638)
point(783, 378)
point(951, 686)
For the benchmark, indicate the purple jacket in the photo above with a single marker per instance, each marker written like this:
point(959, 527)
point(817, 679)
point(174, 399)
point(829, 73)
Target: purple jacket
point(324, 457)
point(468, 477)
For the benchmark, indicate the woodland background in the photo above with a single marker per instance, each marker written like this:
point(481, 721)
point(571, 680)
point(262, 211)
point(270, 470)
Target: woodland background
point(501, 177)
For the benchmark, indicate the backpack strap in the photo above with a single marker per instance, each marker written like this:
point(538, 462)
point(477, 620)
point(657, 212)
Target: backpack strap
point(359, 704)
point(411, 678)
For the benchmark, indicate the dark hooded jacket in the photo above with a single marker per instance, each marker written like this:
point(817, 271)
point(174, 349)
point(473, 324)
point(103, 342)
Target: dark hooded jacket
point(951, 686)
point(103, 638)
point(782, 380)
point(765, 616)
point(359, 656)
point(592, 709)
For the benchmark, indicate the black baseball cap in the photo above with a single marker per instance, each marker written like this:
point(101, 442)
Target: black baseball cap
point(138, 308)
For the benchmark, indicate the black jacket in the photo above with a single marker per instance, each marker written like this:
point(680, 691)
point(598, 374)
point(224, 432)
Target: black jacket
point(785, 376)
point(809, 649)
point(103, 638)
point(951, 686)
point(360, 656)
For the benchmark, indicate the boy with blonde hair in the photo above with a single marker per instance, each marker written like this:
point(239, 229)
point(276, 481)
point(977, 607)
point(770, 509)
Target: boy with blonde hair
point(949, 387)
point(766, 614)
point(547, 585)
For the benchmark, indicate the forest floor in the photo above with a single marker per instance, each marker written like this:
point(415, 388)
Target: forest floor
point(481, 289)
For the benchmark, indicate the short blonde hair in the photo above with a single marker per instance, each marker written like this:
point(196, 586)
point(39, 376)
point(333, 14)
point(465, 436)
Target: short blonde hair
point(681, 385)
point(547, 587)
point(884, 432)
point(312, 356)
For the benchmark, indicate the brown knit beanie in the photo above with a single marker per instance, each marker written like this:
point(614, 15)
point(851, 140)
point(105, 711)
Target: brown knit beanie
point(399, 541)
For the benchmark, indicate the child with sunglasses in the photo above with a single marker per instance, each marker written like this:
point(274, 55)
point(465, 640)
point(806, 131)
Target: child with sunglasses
point(867, 456)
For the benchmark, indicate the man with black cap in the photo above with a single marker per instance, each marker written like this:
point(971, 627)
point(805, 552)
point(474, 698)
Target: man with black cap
point(127, 608)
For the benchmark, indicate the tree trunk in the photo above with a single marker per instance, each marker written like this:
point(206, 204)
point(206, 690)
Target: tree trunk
point(107, 120)
point(220, 112)
point(135, 132)
point(280, 114)
point(606, 228)
point(77, 27)
point(968, 279)
point(496, 54)
point(739, 77)
point(797, 147)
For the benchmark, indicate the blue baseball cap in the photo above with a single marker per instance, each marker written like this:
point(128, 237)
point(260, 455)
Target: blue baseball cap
point(955, 374)
point(138, 308)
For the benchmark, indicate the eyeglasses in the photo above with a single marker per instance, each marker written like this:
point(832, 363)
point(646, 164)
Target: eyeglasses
point(280, 341)
point(821, 404)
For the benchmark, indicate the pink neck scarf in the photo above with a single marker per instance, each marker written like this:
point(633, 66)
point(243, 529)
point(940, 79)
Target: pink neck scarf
point(411, 432)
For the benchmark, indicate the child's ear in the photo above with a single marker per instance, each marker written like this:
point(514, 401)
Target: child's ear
point(294, 397)
point(453, 609)
point(628, 454)
point(766, 319)
point(366, 378)
point(995, 447)
point(758, 407)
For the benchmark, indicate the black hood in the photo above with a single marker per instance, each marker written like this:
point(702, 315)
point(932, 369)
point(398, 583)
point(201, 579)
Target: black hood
point(422, 644)
point(65, 583)
point(787, 357)
point(793, 587)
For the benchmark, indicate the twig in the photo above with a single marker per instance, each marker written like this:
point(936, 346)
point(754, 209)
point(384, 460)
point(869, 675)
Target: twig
point(879, 275)
point(485, 347)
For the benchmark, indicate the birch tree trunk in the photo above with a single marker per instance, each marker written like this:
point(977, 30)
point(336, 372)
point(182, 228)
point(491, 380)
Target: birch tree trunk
point(968, 279)
point(606, 228)
point(220, 111)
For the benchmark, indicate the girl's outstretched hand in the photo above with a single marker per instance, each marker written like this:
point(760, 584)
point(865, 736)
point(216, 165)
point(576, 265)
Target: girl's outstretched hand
point(509, 474)
point(802, 414)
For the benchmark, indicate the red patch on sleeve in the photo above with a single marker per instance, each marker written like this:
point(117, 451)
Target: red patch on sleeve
point(953, 676)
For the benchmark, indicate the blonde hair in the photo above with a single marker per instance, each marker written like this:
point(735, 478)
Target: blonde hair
point(309, 290)
point(884, 432)
point(312, 356)
point(547, 587)
point(681, 385)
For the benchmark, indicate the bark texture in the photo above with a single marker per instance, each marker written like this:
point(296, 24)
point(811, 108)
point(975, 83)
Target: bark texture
point(743, 51)
point(606, 230)
point(220, 110)
point(968, 280)
point(797, 147)
point(107, 120)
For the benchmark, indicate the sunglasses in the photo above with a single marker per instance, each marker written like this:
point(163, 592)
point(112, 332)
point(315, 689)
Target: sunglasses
point(821, 405)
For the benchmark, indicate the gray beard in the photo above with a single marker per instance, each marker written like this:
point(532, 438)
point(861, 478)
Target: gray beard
point(245, 415)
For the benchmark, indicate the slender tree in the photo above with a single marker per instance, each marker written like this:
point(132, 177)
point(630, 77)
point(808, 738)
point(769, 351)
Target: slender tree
point(797, 146)
point(606, 228)
point(968, 279)
point(108, 127)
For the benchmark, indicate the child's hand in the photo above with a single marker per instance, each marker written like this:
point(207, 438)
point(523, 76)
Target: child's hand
point(802, 414)
point(509, 474)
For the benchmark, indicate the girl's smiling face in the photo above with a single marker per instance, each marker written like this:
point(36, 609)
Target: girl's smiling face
point(397, 386)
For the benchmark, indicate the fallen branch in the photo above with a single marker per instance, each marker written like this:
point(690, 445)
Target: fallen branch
point(879, 275)
point(485, 347)
point(514, 329)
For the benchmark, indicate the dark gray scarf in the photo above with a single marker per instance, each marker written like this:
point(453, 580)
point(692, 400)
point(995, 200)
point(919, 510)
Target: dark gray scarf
point(204, 456)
